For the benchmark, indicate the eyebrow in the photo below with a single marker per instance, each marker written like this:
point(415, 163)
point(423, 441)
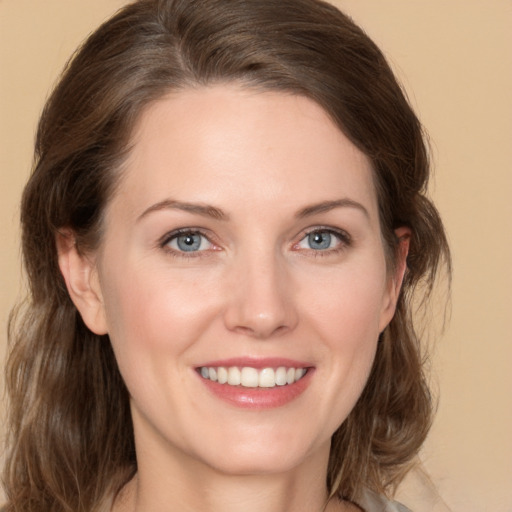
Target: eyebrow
point(216, 213)
point(326, 206)
point(200, 209)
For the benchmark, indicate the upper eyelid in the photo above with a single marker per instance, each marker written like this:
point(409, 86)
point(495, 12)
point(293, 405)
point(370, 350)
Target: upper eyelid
point(342, 233)
point(171, 235)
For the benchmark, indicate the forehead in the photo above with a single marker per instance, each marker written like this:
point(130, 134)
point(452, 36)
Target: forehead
point(214, 144)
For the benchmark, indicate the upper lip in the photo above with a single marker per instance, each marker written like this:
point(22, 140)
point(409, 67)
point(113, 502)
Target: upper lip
point(256, 362)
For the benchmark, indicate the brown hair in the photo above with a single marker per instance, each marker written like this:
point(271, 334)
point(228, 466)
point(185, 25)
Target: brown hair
point(71, 440)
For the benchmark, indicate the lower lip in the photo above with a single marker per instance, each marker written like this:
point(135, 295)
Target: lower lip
point(259, 398)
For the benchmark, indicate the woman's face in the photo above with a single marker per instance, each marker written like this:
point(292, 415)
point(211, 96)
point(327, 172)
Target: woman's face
point(243, 245)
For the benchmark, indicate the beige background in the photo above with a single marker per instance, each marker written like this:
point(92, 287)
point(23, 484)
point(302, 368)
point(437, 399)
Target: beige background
point(455, 60)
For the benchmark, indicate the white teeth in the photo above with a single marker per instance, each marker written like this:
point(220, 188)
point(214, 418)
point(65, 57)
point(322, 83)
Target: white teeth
point(251, 377)
point(233, 376)
point(267, 378)
point(299, 373)
point(222, 375)
point(281, 376)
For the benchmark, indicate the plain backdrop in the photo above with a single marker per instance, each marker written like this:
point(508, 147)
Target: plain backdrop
point(455, 61)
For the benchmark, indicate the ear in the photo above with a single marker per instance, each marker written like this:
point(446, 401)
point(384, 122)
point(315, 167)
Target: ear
point(403, 235)
point(81, 277)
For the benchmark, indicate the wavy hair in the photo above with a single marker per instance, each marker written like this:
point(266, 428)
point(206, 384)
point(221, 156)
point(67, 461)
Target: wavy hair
point(70, 440)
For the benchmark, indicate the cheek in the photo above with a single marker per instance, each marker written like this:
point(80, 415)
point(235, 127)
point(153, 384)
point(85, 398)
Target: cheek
point(351, 331)
point(152, 312)
point(346, 316)
point(154, 319)
point(348, 302)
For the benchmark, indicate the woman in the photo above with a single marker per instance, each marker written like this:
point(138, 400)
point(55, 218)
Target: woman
point(222, 233)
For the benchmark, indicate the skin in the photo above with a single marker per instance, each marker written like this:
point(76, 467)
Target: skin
point(255, 288)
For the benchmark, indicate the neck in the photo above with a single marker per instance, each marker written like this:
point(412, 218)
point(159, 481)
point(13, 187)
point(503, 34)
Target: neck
point(178, 483)
point(241, 494)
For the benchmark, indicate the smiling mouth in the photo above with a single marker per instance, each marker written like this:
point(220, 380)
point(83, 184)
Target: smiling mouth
point(252, 377)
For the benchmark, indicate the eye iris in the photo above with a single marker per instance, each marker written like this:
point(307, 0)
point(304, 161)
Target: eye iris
point(189, 242)
point(319, 240)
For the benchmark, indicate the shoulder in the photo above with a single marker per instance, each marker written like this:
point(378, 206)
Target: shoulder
point(371, 502)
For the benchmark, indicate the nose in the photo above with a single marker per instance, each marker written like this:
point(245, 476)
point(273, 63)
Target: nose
point(261, 303)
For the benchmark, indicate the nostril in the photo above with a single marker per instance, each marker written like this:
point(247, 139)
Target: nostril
point(260, 332)
point(263, 306)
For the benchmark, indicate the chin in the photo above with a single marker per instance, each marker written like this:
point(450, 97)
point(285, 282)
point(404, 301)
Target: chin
point(270, 455)
point(263, 464)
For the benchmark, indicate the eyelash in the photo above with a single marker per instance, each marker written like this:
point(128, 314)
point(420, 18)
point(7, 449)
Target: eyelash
point(344, 239)
point(169, 237)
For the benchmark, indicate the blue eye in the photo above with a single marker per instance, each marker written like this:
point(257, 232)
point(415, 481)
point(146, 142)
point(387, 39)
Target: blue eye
point(324, 240)
point(189, 242)
point(319, 240)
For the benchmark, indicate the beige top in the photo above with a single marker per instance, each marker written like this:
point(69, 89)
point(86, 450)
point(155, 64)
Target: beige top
point(371, 502)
